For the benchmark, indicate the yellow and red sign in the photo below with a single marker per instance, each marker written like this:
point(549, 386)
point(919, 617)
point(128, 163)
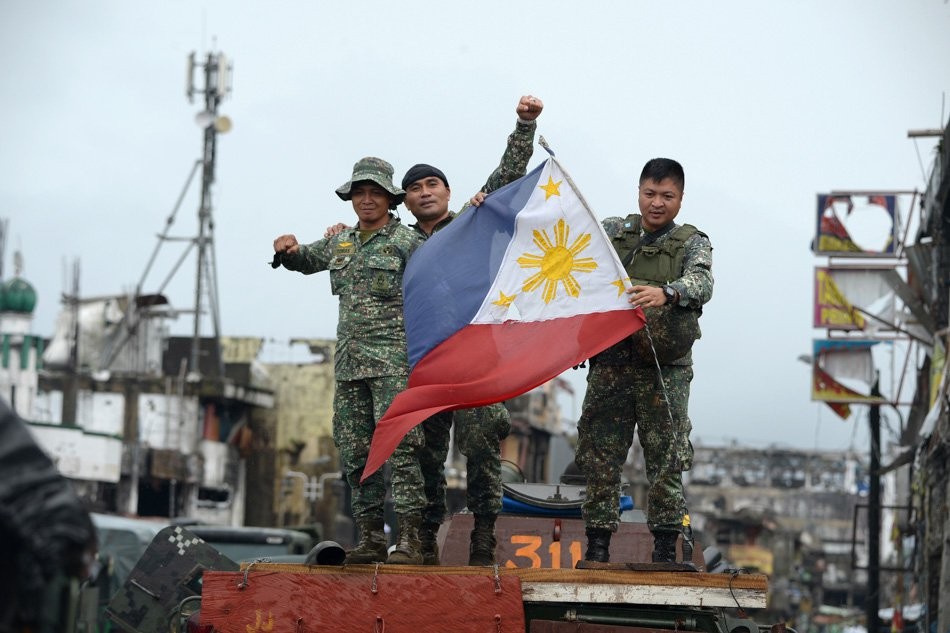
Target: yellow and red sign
point(832, 308)
point(824, 386)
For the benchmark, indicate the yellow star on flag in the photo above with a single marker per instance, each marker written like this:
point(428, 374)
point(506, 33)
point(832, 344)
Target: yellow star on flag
point(504, 300)
point(620, 286)
point(551, 189)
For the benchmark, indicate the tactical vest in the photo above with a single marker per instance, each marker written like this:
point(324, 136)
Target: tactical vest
point(652, 265)
point(674, 328)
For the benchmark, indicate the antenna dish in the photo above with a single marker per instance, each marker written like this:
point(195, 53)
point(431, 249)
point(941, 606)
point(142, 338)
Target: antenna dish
point(204, 119)
point(223, 124)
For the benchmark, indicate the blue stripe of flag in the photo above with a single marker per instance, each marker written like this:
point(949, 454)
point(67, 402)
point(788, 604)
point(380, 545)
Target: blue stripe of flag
point(448, 277)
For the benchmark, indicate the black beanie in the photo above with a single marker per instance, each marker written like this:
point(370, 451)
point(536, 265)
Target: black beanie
point(420, 171)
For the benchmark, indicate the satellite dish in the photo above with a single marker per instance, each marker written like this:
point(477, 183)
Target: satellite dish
point(204, 119)
point(223, 124)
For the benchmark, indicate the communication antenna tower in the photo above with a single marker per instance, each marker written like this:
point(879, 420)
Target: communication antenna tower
point(217, 75)
point(217, 72)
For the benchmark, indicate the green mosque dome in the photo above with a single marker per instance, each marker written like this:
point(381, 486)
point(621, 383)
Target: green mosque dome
point(17, 295)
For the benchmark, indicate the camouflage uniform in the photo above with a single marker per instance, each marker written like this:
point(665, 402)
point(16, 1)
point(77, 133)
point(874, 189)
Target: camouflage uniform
point(624, 394)
point(478, 431)
point(371, 365)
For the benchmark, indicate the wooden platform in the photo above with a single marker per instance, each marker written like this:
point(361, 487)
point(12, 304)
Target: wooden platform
point(595, 586)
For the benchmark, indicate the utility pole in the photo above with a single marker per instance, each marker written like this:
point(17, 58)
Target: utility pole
point(873, 600)
point(216, 87)
point(70, 403)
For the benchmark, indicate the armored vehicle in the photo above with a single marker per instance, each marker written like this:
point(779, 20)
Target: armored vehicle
point(539, 585)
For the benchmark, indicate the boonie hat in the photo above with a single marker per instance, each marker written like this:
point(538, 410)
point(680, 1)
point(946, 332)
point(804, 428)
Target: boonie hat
point(374, 170)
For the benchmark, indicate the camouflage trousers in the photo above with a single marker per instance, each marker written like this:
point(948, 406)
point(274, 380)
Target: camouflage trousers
point(357, 405)
point(478, 432)
point(622, 399)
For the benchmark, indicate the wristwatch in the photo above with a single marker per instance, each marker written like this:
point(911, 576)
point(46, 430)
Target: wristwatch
point(671, 294)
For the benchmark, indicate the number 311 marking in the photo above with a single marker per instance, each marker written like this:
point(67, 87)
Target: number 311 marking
point(529, 550)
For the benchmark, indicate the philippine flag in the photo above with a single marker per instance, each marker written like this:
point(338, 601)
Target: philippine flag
point(505, 298)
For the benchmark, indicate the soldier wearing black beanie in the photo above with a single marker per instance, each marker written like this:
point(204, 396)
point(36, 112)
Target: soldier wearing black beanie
point(420, 171)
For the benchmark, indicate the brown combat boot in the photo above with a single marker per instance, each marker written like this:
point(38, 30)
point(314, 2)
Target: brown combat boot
point(481, 548)
point(408, 550)
point(372, 545)
point(430, 546)
point(664, 546)
point(598, 545)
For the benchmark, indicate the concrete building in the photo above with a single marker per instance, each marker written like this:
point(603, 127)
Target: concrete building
point(925, 437)
point(791, 514)
point(109, 401)
point(302, 478)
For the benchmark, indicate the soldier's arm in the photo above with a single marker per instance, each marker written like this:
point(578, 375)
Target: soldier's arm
point(696, 284)
point(513, 165)
point(309, 258)
point(520, 147)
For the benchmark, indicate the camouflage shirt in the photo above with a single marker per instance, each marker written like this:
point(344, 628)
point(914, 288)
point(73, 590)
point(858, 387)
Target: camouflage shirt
point(367, 277)
point(514, 162)
point(513, 165)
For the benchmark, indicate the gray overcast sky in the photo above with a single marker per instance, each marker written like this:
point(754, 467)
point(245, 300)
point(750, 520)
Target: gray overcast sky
point(765, 104)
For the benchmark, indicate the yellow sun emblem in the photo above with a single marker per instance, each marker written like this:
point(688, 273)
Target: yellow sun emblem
point(557, 262)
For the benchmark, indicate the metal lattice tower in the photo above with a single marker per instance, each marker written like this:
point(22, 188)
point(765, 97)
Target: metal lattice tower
point(216, 88)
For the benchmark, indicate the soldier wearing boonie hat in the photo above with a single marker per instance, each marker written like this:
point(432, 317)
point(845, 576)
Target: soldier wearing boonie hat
point(372, 169)
point(366, 265)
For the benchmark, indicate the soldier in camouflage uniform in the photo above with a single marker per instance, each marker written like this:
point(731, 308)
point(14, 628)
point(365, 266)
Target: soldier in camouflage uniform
point(478, 431)
point(629, 389)
point(366, 265)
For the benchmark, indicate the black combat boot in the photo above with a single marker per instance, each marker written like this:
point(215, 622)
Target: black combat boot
point(598, 545)
point(408, 550)
point(664, 546)
point(481, 549)
point(430, 546)
point(372, 545)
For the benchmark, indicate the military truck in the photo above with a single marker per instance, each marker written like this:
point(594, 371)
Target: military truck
point(539, 585)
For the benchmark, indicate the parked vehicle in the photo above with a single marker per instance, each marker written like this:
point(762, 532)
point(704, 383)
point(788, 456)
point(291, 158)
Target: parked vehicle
point(535, 587)
point(252, 543)
point(123, 541)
